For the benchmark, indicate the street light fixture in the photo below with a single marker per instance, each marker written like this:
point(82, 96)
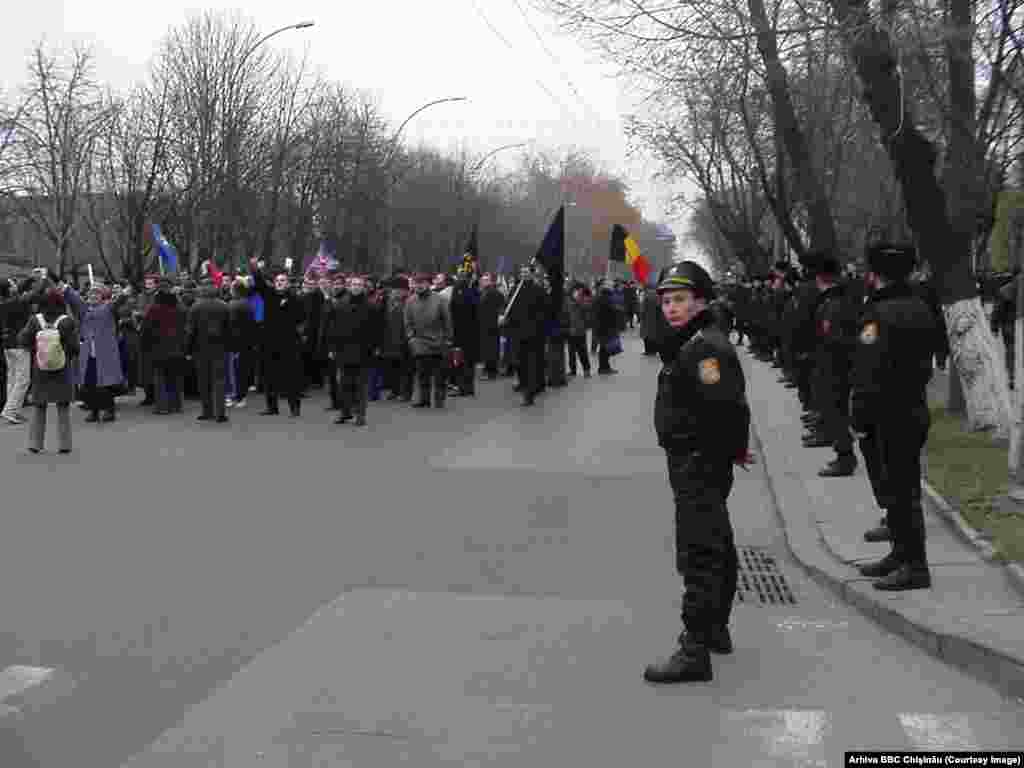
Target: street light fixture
point(392, 178)
point(235, 138)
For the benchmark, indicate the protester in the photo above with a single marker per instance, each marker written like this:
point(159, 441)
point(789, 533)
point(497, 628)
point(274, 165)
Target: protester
point(100, 371)
point(209, 337)
point(428, 327)
point(52, 338)
point(163, 340)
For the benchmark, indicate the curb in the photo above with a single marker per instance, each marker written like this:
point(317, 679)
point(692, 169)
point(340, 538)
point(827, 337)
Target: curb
point(1002, 672)
point(977, 539)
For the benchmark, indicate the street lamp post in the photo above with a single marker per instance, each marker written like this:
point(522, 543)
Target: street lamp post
point(235, 137)
point(392, 178)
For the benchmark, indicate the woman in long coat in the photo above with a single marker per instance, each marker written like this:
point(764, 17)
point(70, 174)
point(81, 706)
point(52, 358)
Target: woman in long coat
point(99, 364)
point(52, 386)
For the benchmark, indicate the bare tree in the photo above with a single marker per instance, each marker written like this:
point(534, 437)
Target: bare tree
point(51, 150)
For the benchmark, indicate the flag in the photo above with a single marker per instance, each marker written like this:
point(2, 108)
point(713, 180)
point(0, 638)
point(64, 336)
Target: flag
point(624, 249)
point(168, 256)
point(471, 258)
point(326, 258)
point(551, 254)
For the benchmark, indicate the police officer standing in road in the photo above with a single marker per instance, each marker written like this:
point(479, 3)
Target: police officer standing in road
point(889, 408)
point(703, 422)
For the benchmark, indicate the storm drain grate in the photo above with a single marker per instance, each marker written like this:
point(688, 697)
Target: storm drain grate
point(760, 580)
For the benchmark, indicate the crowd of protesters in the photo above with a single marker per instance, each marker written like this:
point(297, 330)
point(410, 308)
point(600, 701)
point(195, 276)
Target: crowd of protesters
point(414, 337)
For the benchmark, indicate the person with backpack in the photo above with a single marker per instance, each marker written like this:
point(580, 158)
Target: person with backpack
point(52, 339)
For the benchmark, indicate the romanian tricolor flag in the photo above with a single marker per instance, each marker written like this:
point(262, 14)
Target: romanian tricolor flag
point(625, 250)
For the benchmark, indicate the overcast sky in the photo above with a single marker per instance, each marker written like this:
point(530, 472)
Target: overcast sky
point(405, 52)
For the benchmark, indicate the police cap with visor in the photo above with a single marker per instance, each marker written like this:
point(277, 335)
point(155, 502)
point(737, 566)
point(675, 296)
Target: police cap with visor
point(689, 275)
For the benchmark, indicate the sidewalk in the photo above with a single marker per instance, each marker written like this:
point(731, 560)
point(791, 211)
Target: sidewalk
point(972, 617)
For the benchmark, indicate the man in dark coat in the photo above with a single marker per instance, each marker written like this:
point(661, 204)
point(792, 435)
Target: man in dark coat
point(352, 334)
point(282, 328)
point(525, 318)
point(209, 333)
point(464, 309)
point(491, 305)
point(606, 326)
point(313, 301)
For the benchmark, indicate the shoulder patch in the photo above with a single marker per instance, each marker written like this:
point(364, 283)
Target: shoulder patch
point(869, 334)
point(708, 370)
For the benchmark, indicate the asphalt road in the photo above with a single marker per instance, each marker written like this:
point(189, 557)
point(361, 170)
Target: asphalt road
point(163, 555)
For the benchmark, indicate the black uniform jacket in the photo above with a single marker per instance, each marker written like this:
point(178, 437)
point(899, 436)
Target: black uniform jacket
point(701, 403)
point(893, 359)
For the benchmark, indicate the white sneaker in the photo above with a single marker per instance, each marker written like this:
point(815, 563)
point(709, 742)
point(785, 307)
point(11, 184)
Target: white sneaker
point(241, 403)
point(229, 403)
point(13, 418)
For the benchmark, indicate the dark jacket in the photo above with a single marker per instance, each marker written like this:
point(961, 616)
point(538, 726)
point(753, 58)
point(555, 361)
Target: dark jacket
point(209, 328)
point(283, 318)
point(15, 311)
point(835, 326)
point(893, 358)
point(701, 403)
point(465, 311)
point(528, 312)
point(606, 315)
point(243, 325)
point(164, 329)
point(394, 345)
point(352, 331)
point(53, 386)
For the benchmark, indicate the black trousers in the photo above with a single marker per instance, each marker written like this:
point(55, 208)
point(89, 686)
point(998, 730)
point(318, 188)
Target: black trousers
point(431, 369)
point(399, 375)
point(211, 372)
point(283, 376)
point(353, 384)
point(556, 361)
point(578, 350)
point(894, 445)
point(706, 555)
point(96, 398)
point(464, 377)
point(835, 403)
point(168, 385)
point(604, 360)
point(531, 365)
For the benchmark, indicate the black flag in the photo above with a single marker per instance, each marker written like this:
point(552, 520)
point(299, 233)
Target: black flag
point(551, 256)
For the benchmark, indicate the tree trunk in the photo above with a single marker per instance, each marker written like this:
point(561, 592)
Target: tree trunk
point(787, 126)
point(913, 157)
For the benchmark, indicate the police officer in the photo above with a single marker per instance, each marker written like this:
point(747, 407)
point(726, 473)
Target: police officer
point(889, 409)
point(834, 319)
point(703, 422)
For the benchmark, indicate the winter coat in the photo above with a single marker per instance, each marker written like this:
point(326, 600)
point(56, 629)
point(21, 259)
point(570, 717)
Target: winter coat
point(578, 318)
point(464, 308)
point(209, 328)
point(527, 315)
point(491, 305)
point(163, 330)
point(606, 316)
point(52, 386)
point(394, 345)
point(428, 325)
point(283, 318)
point(16, 310)
point(352, 331)
point(243, 326)
point(652, 325)
point(98, 330)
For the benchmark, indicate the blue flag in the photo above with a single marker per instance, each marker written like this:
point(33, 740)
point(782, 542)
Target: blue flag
point(168, 256)
point(551, 254)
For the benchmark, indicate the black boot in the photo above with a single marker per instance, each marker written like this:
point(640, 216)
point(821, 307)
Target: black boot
point(841, 466)
point(719, 640)
point(691, 663)
point(881, 568)
point(907, 576)
point(93, 417)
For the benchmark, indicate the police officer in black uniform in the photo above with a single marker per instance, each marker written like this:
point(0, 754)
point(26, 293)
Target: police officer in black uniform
point(889, 409)
point(835, 321)
point(703, 422)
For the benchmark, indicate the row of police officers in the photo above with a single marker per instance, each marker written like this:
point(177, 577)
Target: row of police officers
point(859, 353)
